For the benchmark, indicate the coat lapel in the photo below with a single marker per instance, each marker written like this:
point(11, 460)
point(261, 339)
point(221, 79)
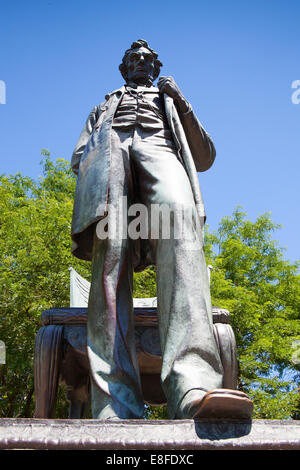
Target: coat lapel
point(183, 147)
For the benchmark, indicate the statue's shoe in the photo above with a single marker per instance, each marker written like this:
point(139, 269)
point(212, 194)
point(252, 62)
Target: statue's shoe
point(218, 404)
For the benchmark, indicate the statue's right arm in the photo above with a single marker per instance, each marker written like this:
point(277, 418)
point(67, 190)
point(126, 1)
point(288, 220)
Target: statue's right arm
point(84, 137)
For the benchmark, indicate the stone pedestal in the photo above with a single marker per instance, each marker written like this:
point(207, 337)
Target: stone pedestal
point(158, 435)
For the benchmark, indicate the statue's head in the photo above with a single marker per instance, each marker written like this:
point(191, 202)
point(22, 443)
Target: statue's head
point(140, 64)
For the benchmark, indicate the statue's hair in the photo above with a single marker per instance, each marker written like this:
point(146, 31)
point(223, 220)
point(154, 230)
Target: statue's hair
point(134, 45)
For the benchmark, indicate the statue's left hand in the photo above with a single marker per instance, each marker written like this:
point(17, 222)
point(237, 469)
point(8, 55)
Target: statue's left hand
point(167, 85)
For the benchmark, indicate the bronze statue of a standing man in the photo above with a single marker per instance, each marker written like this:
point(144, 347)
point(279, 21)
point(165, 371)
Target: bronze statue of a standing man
point(146, 144)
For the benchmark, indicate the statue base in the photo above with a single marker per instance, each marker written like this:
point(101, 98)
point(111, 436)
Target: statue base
point(76, 434)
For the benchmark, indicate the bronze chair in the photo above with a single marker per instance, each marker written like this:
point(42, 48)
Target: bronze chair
point(60, 357)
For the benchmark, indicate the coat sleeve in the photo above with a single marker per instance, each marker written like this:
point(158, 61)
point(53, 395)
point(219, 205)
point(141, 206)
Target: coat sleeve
point(83, 139)
point(200, 143)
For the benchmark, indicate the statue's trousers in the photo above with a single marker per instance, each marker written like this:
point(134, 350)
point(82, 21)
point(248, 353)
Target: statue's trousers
point(146, 169)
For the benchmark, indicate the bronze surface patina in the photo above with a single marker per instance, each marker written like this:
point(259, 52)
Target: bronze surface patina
point(144, 145)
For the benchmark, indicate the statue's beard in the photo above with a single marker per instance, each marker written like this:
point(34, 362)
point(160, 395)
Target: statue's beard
point(148, 82)
point(145, 81)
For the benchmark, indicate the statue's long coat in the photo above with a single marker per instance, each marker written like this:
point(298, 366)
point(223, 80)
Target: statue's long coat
point(91, 161)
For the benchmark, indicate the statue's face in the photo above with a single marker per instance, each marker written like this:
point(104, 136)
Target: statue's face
point(140, 65)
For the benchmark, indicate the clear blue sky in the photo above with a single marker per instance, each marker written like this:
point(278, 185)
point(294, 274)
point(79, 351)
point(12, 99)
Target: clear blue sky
point(234, 60)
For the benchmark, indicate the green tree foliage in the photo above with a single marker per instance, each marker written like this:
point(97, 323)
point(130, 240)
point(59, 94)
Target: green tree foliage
point(35, 220)
point(250, 278)
point(262, 292)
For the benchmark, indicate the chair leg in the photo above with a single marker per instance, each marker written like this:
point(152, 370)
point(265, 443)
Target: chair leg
point(47, 360)
point(78, 409)
point(227, 346)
